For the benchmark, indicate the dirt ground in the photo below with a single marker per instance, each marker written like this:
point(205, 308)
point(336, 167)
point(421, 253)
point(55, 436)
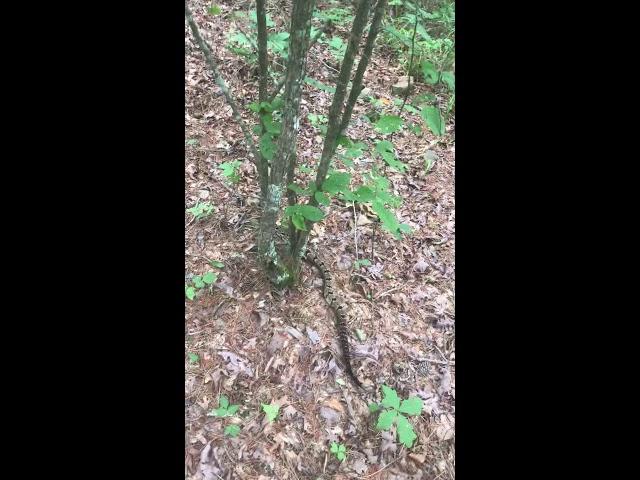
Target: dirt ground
point(260, 346)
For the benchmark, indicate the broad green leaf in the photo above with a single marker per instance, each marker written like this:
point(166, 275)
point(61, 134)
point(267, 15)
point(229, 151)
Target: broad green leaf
point(267, 146)
point(334, 447)
point(197, 281)
point(240, 38)
point(319, 85)
point(406, 435)
point(322, 198)
point(232, 410)
point(404, 228)
point(390, 399)
point(218, 412)
point(344, 141)
point(214, 10)
point(430, 72)
point(393, 162)
point(411, 406)
point(388, 124)
point(271, 411)
point(193, 357)
point(432, 116)
point(190, 293)
point(277, 104)
point(385, 420)
point(223, 401)
point(254, 107)
point(449, 79)
point(209, 277)
point(216, 263)
point(415, 129)
point(384, 146)
point(232, 430)
point(305, 169)
point(374, 407)
point(229, 168)
point(270, 125)
point(337, 182)
point(365, 194)
point(412, 109)
point(365, 262)
point(311, 213)
point(295, 188)
point(388, 219)
point(298, 221)
point(192, 141)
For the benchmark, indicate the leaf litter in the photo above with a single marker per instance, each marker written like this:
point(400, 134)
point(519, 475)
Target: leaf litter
point(259, 347)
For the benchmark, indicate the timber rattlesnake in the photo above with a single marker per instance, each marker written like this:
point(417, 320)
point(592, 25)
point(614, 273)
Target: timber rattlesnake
point(338, 308)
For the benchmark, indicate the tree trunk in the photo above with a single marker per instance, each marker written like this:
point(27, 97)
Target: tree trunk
point(279, 271)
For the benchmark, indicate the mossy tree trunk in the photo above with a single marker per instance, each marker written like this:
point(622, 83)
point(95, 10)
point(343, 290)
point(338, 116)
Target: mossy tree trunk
point(278, 268)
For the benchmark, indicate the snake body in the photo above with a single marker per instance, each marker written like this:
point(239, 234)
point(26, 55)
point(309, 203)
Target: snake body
point(338, 308)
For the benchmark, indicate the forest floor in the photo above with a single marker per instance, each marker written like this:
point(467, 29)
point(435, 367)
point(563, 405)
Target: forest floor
point(260, 346)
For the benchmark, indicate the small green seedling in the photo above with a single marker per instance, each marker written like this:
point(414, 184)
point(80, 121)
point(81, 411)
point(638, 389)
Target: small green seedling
point(199, 282)
point(232, 430)
point(391, 411)
point(271, 411)
point(201, 210)
point(193, 358)
point(224, 409)
point(230, 170)
point(365, 262)
point(339, 450)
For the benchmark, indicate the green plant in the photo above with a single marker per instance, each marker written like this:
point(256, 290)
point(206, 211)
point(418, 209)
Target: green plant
point(193, 358)
point(199, 282)
point(339, 450)
point(230, 170)
point(364, 262)
point(318, 121)
point(192, 142)
point(214, 9)
point(245, 44)
point(201, 210)
point(392, 410)
point(271, 411)
point(224, 409)
point(337, 47)
point(232, 430)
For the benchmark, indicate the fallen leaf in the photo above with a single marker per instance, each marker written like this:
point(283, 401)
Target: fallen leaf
point(313, 336)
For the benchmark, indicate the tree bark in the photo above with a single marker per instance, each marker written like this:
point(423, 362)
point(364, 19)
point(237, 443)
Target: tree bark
point(279, 272)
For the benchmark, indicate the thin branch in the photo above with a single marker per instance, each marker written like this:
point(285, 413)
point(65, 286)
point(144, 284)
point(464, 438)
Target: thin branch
point(312, 42)
point(262, 49)
point(260, 163)
point(413, 43)
point(356, 87)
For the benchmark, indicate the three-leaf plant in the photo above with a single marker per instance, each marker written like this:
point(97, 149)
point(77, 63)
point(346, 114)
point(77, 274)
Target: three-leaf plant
point(226, 410)
point(392, 410)
point(339, 450)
